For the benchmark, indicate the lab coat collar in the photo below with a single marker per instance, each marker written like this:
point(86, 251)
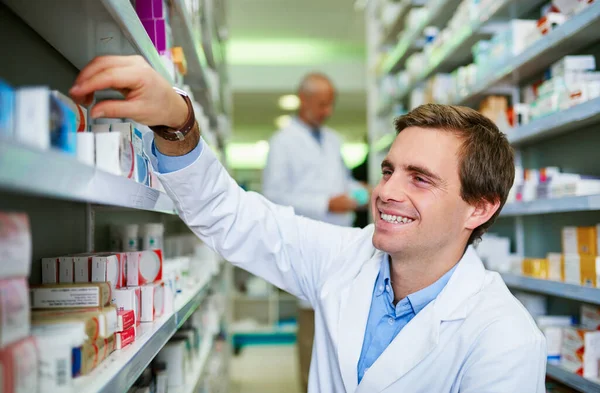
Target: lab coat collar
point(416, 340)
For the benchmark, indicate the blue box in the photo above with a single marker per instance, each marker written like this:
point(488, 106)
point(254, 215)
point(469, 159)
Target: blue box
point(7, 110)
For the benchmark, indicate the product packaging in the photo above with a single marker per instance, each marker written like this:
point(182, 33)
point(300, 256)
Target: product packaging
point(14, 310)
point(19, 364)
point(50, 270)
point(114, 151)
point(152, 236)
point(7, 110)
point(590, 317)
point(82, 265)
point(15, 243)
point(107, 268)
point(573, 269)
point(580, 351)
point(556, 266)
point(81, 117)
point(124, 338)
point(157, 31)
point(144, 267)
point(129, 237)
point(86, 148)
point(579, 240)
point(147, 305)
point(55, 345)
point(151, 9)
point(71, 295)
point(142, 163)
point(99, 322)
point(130, 299)
point(587, 266)
point(66, 270)
point(125, 320)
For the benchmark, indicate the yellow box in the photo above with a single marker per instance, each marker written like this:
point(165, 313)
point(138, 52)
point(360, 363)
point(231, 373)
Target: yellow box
point(556, 266)
point(535, 267)
point(579, 240)
point(588, 270)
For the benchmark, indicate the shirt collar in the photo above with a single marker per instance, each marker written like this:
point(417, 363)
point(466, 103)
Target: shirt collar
point(417, 300)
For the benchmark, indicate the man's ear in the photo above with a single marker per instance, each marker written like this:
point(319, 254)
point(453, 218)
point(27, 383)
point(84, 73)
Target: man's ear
point(481, 213)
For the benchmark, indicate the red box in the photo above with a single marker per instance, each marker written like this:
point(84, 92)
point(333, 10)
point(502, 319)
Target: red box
point(125, 320)
point(124, 338)
point(19, 365)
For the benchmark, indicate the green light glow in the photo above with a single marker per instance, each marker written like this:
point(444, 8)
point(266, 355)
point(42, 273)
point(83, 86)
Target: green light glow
point(254, 155)
point(289, 51)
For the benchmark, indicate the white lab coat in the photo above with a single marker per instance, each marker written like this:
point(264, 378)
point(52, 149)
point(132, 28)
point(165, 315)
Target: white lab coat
point(475, 337)
point(305, 174)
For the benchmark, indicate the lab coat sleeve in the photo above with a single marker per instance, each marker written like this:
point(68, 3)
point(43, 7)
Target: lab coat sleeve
point(506, 358)
point(266, 239)
point(278, 180)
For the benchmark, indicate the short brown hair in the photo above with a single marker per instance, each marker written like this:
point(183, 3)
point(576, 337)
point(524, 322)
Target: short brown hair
point(486, 159)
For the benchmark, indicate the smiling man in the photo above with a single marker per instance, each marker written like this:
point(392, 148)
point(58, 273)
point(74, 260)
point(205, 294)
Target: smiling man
point(404, 305)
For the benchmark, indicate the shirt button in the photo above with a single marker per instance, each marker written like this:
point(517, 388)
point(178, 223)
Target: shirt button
point(391, 321)
point(387, 288)
point(381, 287)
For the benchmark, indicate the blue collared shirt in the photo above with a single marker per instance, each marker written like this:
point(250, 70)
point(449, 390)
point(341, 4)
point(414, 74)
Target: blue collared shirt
point(386, 320)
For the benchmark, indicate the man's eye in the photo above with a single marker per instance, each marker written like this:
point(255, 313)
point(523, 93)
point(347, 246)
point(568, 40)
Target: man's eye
point(421, 179)
point(386, 172)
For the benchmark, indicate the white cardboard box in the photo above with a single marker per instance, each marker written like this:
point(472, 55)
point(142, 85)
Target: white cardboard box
point(129, 299)
point(82, 265)
point(106, 268)
point(66, 271)
point(144, 267)
point(15, 243)
point(50, 270)
point(14, 310)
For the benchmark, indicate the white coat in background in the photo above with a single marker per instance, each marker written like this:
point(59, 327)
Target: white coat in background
point(475, 337)
point(305, 174)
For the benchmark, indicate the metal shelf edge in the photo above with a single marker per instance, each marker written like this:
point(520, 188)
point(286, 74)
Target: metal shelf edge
point(553, 288)
point(573, 380)
point(557, 123)
point(554, 205)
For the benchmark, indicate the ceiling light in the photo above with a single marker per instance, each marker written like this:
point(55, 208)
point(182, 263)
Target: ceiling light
point(283, 121)
point(289, 102)
point(262, 145)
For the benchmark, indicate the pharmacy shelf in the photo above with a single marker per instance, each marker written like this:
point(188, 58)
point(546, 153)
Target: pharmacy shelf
point(572, 380)
point(102, 27)
point(391, 33)
point(552, 288)
point(263, 329)
point(458, 51)
point(196, 61)
point(198, 366)
point(121, 369)
point(554, 205)
point(54, 174)
point(574, 118)
point(439, 13)
point(575, 34)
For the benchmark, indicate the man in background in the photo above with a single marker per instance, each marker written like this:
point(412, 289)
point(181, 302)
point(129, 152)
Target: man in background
point(305, 170)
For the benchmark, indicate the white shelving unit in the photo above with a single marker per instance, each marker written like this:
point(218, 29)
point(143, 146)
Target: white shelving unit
point(566, 139)
point(120, 370)
point(70, 204)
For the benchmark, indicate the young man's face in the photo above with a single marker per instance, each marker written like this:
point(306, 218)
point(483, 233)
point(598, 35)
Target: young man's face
point(421, 188)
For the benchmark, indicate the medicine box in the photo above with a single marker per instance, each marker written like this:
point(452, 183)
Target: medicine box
point(580, 351)
point(150, 9)
point(14, 310)
point(124, 338)
point(106, 268)
point(590, 317)
point(556, 267)
point(129, 299)
point(66, 270)
point(144, 267)
point(15, 243)
point(82, 265)
point(579, 240)
point(573, 269)
point(20, 367)
point(71, 295)
point(588, 271)
point(125, 320)
point(569, 64)
point(50, 270)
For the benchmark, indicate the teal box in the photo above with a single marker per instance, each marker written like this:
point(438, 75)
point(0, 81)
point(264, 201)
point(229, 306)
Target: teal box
point(7, 110)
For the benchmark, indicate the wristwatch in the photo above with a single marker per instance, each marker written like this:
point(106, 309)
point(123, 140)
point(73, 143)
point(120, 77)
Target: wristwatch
point(172, 134)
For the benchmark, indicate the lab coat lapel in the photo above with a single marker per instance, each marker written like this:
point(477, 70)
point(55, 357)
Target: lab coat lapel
point(421, 335)
point(353, 320)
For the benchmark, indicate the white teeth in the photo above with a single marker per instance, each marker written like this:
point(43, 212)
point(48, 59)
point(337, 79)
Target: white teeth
point(395, 219)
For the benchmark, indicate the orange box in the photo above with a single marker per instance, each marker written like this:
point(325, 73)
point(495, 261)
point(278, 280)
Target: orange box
point(535, 267)
point(587, 267)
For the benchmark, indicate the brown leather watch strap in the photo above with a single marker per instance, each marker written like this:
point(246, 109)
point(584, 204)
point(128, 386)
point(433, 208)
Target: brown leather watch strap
point(171, 134)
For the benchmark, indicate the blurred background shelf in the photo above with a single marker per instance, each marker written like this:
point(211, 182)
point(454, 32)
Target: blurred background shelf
point(553, 288)
point(555, 205)
point(573, 380)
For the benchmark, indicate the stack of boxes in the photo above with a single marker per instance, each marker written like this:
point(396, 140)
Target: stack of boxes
point(578, 263)
point(18, 353)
